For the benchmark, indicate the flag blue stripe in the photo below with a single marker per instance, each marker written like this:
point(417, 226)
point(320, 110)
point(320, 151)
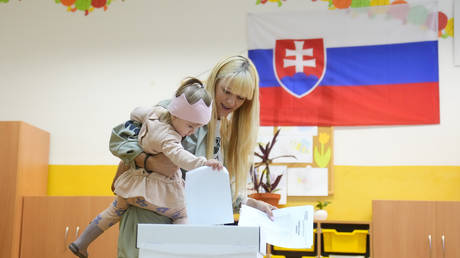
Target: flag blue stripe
point(366, 65)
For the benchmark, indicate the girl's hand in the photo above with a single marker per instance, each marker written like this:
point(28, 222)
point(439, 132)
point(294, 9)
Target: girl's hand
point(215, 164)
point(262, 206)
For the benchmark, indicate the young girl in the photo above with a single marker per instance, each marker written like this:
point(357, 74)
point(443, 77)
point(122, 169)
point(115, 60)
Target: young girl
point(161, 132)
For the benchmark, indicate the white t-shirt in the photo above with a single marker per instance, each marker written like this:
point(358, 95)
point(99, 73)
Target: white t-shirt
point(217, 146)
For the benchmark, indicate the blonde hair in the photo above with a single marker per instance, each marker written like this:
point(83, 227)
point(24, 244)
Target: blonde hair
point(238, 130)
point(193, 90)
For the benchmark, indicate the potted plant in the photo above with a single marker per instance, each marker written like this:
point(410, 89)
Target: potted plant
point(264, 184)
point(321, 213)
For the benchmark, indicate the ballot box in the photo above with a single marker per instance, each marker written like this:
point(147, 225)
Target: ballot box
point(181, 241)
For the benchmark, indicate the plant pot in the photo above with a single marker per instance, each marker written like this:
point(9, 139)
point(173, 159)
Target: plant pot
point(271, 198)
point(320, 215)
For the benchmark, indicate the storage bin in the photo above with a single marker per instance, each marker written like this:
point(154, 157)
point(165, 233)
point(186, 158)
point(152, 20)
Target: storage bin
point(311, 249)
point(345, 242)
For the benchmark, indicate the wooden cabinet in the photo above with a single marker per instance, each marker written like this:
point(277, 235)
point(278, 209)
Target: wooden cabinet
point(422, 229)
point(51, 223)
point(24, 155)
point(447, 234)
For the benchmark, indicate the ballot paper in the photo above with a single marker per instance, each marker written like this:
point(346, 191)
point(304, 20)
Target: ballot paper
point(292, 227)
point(208, 199)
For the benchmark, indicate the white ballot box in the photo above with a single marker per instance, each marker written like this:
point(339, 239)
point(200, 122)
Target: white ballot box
point(181, 241)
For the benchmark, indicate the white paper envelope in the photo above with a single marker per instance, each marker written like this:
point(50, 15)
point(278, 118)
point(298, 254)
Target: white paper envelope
point(208, 197)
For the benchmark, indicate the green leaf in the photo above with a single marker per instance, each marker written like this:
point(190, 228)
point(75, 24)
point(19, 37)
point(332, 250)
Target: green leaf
point(316, 155)
point(322, 160)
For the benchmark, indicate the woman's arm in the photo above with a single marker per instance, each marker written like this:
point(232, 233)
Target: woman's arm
point(262, 206)
point(158, 163)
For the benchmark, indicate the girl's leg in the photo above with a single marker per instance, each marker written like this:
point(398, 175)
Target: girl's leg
point(103, 221)
point(176, 214)
point(182, 220)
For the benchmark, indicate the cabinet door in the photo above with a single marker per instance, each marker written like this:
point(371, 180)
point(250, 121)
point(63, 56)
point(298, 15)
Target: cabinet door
point(50, 224)
point(447, 237)
point(402, 229)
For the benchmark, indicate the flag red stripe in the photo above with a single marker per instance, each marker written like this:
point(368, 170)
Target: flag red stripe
point(396, 104)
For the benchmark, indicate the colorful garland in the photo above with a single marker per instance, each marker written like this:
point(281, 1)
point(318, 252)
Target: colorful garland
point(416, 14)
point(84, 5)
point(279, 2)
point(445, 24)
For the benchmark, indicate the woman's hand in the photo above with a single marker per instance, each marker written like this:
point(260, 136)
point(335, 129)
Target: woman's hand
point(262, 206)
point(215, 164)
point(158, 163)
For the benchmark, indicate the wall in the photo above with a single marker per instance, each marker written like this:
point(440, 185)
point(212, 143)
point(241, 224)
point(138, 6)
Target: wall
point(354, 186)
point(77, 76)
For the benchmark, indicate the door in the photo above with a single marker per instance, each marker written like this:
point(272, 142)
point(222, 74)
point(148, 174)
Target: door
point(447, 237)
point(51, 223)
point(402, 229)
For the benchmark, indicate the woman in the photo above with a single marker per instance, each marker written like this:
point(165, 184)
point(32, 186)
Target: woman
point(233, 84)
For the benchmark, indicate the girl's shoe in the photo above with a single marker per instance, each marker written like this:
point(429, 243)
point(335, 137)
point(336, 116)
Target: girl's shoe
point(75, 250)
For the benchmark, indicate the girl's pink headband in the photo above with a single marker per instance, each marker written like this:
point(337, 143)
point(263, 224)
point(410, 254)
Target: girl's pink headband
point(196, 113)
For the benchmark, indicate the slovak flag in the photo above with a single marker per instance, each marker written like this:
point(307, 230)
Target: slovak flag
point(360, 66)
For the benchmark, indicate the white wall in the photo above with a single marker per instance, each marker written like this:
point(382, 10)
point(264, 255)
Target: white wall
point(77, 76)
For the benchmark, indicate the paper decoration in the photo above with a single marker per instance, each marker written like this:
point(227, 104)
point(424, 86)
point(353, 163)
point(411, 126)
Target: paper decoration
point(292, 140)
point(307, 181)
point(279, 2)
point(323, 150)
point(445, 24)
point(84, 5)
point(314, 149)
